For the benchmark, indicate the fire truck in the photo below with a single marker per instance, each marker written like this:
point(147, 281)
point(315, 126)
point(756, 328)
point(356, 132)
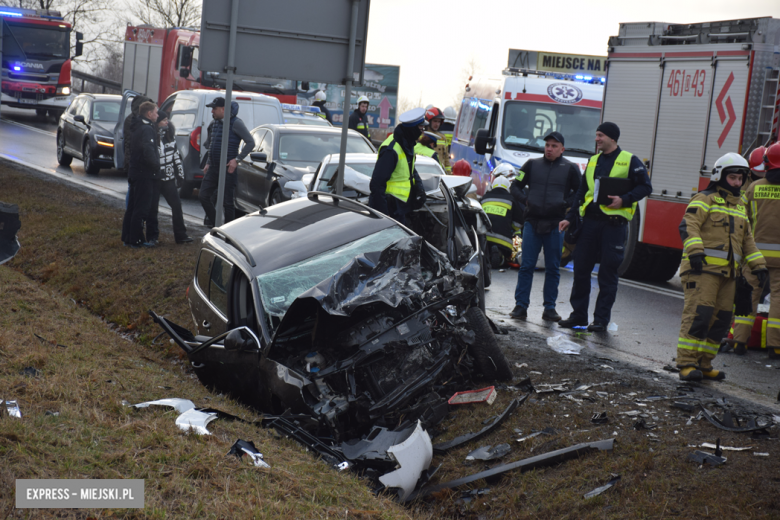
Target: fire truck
point(36, 60)
point(683, 95)
point(159, 62)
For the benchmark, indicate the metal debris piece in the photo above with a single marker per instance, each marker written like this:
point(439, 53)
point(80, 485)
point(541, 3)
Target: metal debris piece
point(468, 496)
point(49, 412)
point(630, 413)
point(527, 386)
point(195, 420)
point(12, 408)
point(600, 490)
point(9, 225)
point(702, 457)
point(670, 368)
point(180, 405)
point(30, 372)
point(599, 418)
point(727, 423)
point(724, 448)
point(489, 452)
point(521, 365)
point(688, 407)
point(642, 425)
point(241, 446)
point(290, 427)
point(547, 388)
point(530, 436)
point(760, 454)
point(483, 395)
point(545, 459)
point(443, 447)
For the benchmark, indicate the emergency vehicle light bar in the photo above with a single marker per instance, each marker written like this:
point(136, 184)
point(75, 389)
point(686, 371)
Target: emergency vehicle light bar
point(40, 13)
point(512, 71)
point(300, 108)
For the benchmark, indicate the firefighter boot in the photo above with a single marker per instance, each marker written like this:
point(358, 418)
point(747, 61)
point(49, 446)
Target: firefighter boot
point(690, 374)
point(774, 353)
point(740, 349)
point(713, 375)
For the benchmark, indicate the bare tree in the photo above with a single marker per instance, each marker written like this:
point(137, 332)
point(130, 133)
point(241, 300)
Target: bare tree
point(168, 13)
point(405, 104)
point(109, 67)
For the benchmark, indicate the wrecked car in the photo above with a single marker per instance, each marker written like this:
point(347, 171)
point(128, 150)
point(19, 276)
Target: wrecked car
point(325, 307)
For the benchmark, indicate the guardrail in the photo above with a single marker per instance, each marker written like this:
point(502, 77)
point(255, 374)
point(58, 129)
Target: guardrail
point(89, 78)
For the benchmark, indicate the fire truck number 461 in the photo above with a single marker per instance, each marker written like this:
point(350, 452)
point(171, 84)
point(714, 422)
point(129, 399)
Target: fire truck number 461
point(682, 82)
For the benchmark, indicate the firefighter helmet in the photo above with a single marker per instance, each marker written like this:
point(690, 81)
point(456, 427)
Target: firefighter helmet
point(320, 96)
point(362, 99)
point(731, 163)
point(462, 168)
point(772, 157)
point(433, 113)
point(756, 161)
point(505, 169)
point(450, 115)
point(500, 182)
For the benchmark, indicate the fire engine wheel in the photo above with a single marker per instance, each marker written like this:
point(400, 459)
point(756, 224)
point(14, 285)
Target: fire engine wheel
point(62, 158)
point(486, 353)
point(89, 164)
point(646, 262)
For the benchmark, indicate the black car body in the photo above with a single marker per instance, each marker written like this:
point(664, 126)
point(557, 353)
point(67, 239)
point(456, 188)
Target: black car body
point(284, 153)
point(324, 307)
point(86, 131)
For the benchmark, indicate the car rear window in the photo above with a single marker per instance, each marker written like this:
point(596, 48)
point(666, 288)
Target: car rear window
point(278, 289)
point(313, 147)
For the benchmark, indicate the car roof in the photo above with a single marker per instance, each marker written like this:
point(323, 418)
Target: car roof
point(305, 129)
point(256, 96)
point(107, 97)
point(370, 158)
point(287, 233)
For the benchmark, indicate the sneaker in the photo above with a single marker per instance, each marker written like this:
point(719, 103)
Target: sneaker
point(571, 322)
point(740, 349)
point(597, 327)
point(690, 374)
point(551, 315)
point(153, 242)
point(713, 375)
point(185, 240)
point(519, 313)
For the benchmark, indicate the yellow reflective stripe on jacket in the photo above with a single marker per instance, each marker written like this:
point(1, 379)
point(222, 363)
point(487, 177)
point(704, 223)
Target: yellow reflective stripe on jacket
point(497, 202)
point(500, 240)
point(736, 212)
point(692, 241)
point(620, 170)
point(760, 254)
point(744, 320)
point(400, 183)
point(773, 323)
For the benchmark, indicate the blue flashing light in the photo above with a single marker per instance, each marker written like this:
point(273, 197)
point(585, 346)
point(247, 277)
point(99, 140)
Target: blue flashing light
point(588, 78)
point(17, 69)
point(579, 77)
point(9, 13)
point(603, 80)
point(300, 108)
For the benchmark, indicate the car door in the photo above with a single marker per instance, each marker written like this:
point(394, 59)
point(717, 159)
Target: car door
point(252, 172)
point(209, 299)
point(119, 133)
point(68, 124)
point(81, 127)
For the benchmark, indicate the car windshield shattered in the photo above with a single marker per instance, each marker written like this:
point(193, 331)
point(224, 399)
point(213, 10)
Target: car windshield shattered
point(281, 287)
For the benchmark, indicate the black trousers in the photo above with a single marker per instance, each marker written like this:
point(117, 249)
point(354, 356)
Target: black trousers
point(168, 190)
point(602, 242)
point(139, 204)
point(208, 195)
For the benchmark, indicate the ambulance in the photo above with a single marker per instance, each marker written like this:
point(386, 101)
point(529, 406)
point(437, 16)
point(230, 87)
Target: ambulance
point(542, 92)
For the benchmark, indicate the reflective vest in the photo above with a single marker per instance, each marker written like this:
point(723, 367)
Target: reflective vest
point(619, 169)
point(322, 115)
point(497, 203)
point(400, 183)
point(362, 125)
point(420, 149)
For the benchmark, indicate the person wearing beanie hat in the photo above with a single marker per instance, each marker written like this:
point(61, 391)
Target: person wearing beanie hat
point(604, 227)
point(396, 188)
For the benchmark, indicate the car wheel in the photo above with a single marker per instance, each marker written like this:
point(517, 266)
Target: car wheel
point(275, 197)
point(62, 158)
point(89, 164)
point(487, 355)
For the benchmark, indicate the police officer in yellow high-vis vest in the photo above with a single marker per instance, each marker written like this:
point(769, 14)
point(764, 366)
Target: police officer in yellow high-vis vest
point(604, 227)
point(396, 188)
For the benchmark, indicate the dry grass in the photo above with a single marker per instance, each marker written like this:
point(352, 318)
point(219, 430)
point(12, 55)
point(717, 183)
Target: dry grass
point(74, 284)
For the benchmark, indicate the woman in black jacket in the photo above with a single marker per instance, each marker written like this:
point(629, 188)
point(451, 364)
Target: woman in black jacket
point(170, 178)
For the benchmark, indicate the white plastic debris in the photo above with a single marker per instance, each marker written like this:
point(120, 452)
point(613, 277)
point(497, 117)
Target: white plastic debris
point(195, 420)
point(724, 448)
point(759, 454)
point(12, 407)
point(180, 405)
point(562, 345)
point(413, 456)
point(612, 327)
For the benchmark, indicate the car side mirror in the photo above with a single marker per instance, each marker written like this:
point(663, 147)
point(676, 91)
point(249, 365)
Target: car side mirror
point(79, 118)
point(184, 72)
point(483, 142)
point(242, 338)
point(79, 45)
point(258, 157)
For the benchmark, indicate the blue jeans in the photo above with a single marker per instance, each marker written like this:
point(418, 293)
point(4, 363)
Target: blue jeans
point(533, 243)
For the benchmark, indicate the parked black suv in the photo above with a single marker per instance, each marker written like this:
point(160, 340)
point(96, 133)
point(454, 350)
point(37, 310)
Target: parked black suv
point(86, 131)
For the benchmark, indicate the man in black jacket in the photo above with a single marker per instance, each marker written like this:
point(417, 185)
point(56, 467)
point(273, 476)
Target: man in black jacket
point(604, 227)
point(358, 120)
point(143, 170)
point(551, 182)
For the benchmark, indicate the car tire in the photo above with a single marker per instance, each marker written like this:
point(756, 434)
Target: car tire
point(89, 163)
point(63, 158)
point(275, 197)
point(488, 358)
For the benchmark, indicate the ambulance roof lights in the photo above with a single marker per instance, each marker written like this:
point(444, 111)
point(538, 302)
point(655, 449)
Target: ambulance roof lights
point(300, 108)
point(10, 13)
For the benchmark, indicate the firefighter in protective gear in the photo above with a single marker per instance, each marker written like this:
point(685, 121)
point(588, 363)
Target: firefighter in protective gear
point(716, 240)
point(743, 325)
point(358, 120)
point(763, 206)
point(319, 101)
point(435, 118)
point(396, 188)
point(448, 126)
point(506, 218)
point(426, 146)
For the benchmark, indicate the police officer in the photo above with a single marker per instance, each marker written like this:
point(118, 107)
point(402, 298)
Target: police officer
point(604, 228)
point(551, 183)
point(435, 118)
point(396, 188)
point(716, 238)
point(763, 203)
point(743, 325)
point(426, 146)
point(358, 120)
point(319, 102)
point(505, 216)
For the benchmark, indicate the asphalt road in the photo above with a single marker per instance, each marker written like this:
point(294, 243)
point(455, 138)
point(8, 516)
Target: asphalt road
point(647, 315)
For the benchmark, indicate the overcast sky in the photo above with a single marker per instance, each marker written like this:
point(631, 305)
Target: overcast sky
point(434, 41)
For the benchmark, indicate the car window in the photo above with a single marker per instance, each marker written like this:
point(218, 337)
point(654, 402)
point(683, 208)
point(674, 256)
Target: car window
point(75, 105)
point(258, 136)
point(103, 110)
point(268, 144)
point(85, 108)
point(313, 147)
point(218, 283)
point(280, 288)
point(168, 103)
point(183, 120)
point(428, 168)
point(184, 103)
point(263, 115)
point(203, 269)
point(324, 184)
